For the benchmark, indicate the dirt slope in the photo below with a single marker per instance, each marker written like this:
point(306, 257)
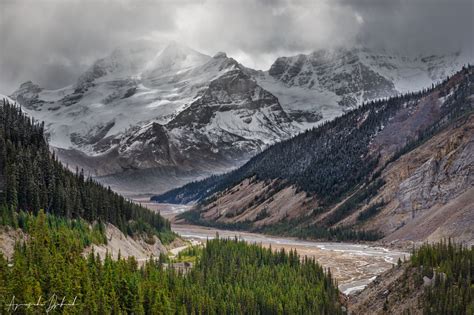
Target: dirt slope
point(117, 242)
point(260, 202)
point(388, 294)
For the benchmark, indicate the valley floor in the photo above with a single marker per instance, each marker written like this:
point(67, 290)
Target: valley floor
point(352, 265)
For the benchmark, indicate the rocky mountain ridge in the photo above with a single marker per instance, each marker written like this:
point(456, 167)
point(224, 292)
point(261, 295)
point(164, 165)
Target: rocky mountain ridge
point(172, 114)
point(329, 81)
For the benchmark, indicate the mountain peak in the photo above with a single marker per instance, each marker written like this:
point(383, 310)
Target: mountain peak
point(179, 51)
point(176, 57)
point(27, 87)
point(220, 54)
point(28, 84)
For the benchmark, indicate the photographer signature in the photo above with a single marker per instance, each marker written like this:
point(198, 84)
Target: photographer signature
point(50, 304)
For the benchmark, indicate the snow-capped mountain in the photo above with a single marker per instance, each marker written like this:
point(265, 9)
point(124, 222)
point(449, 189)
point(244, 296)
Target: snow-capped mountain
point(153, 116)
point(169, 108)
point(326, 81)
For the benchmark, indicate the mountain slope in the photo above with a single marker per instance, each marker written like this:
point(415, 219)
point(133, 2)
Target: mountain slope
point(379, 167)
point(153, 116)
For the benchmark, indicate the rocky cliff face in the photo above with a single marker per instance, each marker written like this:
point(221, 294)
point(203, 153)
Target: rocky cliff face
point(441, 177)
point(431, 189)
point(342, 73)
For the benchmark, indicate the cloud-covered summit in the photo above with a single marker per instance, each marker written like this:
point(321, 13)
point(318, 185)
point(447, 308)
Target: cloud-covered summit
point(52, 41)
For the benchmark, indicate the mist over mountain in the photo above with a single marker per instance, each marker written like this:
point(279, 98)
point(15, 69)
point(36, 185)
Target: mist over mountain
point(53, 42)
point(152, 116)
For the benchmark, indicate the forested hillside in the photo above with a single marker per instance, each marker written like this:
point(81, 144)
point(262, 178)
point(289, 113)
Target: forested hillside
point(31, 178)
point(230, 277)
point(436, 280)
point(336, 169)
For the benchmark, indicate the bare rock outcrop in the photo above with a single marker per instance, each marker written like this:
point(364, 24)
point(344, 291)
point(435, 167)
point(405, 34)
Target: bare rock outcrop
point(117, 242)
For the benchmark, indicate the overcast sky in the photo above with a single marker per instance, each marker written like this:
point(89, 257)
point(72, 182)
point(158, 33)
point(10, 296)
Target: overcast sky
point(52, 41)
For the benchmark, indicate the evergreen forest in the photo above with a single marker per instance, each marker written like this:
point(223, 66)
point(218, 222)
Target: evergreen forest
point(31, 178)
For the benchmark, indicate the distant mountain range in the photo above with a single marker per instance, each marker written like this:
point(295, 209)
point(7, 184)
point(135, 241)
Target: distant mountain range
point(150, 116)
point(400, 168)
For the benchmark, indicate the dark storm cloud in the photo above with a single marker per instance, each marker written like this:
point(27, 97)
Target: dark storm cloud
point(52, 41)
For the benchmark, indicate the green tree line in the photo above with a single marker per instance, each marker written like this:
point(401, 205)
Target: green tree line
point(229, 277)
point(31, 178)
